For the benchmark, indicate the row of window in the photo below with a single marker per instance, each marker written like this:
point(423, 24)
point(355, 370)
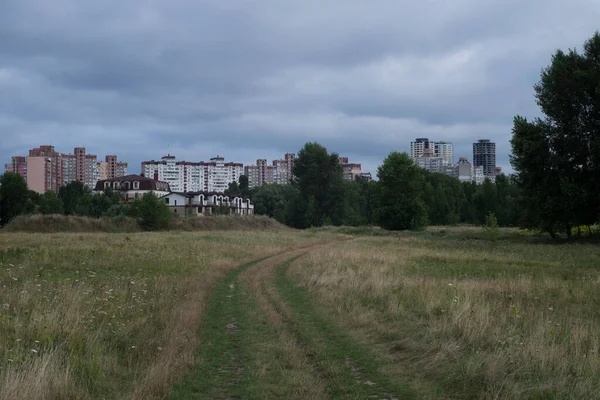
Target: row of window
point(126, 185)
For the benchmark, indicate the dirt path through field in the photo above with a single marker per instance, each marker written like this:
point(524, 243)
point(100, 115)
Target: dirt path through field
point(263, 340)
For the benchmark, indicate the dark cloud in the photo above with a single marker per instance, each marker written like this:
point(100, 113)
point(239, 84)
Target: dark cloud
point(248, 79)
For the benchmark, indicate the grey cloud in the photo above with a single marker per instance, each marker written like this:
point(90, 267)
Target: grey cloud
point(249, 79)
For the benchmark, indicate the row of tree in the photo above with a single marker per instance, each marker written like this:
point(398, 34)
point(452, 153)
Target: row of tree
point(404, 197)
point(77, 199)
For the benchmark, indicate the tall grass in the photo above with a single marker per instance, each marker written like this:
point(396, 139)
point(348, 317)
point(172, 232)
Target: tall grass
point(464, 318)
point(93, 315)
point(63, 223)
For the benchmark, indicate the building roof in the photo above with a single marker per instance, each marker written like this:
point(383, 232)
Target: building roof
point(144, 183)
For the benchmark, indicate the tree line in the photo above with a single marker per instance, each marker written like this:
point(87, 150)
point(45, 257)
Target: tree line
point(404, 196)
point(78, 200)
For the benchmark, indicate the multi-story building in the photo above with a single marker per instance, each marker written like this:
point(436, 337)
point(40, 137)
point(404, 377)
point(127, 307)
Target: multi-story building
point(281, 172)
point(111, 168)
point(46, 169)
point(184, 176)
point(484, 154)
point(445, 150)
point(350, 170)
point(18, 164)
point(80, 167)
point(430, 162)
point(464, 171)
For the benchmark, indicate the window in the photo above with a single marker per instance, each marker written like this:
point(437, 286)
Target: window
point(175, 202)
point(167, 200)
point(106, 185)
point(116, 185)
point(136, 185)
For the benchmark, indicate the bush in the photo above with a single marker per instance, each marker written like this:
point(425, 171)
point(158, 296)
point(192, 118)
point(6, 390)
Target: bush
point(151, 213)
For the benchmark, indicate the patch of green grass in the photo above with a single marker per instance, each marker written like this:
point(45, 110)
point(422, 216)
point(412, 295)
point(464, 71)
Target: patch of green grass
point(355, 371)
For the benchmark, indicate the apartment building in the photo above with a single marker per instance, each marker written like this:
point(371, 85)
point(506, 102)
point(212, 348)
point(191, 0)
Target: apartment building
point(111, 168)
point(17, 164)
point(464, 171)
point(185, 176)
point(350, 170)
point(46, 169)
point(421, 146)
point(484, 155)
point(280, 172)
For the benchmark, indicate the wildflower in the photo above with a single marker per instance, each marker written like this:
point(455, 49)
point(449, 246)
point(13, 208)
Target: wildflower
point(34, 351)
point(133, 347)
point(449, 284)
point(6, 306)
point(11, 360)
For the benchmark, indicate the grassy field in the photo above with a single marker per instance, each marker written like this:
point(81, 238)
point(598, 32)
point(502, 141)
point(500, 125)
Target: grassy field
point(323, 314)
point(112, 315)
point(463, 318)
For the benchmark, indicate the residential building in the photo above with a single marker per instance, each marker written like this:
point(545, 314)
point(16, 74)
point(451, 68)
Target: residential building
point(484, 154)
point(111, 168)
point(46, 169)
point(80, 167)
point(467, 172)
point(445, 150)
point(130, 187)
point(280, 172)
point(184, 176)
point(206, 203)
point(430, 162)
point(18, 164)
point(350, 170)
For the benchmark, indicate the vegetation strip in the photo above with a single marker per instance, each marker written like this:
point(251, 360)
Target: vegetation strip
point(353, 370)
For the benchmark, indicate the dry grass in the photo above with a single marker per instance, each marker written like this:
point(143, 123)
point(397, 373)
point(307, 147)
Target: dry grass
point(468, 318)
point(111, 315)
point(62, 223)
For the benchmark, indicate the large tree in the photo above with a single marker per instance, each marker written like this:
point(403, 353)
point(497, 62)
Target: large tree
point(557, 158)
point(14, 196)
point(320, 184)
point(401, 184)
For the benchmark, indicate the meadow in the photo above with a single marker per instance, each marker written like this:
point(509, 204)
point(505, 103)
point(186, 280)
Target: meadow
point(459, 316)
point(338, 313)
point(97, 315)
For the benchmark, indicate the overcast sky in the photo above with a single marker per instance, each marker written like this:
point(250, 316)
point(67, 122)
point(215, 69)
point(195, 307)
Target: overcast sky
point(248, 79)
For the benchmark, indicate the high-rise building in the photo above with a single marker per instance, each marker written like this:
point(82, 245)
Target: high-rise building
point(281, 172)
point(350, 170)
point(430, 162)
point(111, 168)
point(46, 169)
point(444, 150)
point(80, 167)
point(18, 164)
point(484, 155)
point(184, 176)
point(464, 171)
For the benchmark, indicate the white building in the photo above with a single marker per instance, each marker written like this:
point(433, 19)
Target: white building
point(206, 203)
point(467, 172)
point(183, 176)
point(445, 150)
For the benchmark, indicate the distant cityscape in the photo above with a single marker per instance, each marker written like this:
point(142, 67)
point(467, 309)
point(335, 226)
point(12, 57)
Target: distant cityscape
point(438, 157)
point(46, 169)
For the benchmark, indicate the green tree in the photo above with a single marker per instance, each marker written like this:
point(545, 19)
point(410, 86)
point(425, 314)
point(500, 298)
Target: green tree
point(244, 185)
point(320, 185)
point(557, 158)
point(76, 198)
point(402, 205)
point(13, 196)
point(50, 203)
point(151, 213)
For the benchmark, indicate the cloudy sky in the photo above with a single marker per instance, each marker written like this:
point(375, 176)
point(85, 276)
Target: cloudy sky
point(248, 79)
